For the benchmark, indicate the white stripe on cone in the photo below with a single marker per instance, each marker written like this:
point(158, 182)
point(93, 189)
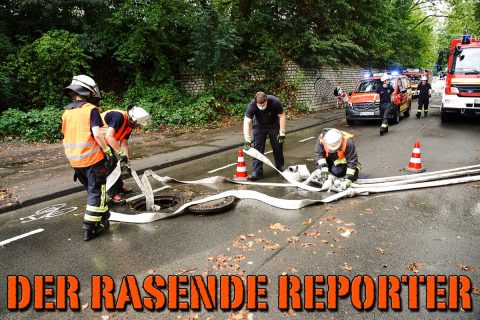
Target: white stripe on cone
point(416, 150)
point(241, 159)
point(415, 160)
point(241, 169)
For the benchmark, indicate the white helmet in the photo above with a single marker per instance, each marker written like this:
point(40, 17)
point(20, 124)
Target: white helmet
point(424, 78)
point(138, 115)
point(333, 139)
point(84, 86)
point(385, 78)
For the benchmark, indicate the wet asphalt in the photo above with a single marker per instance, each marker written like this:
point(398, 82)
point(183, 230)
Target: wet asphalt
point(432, 231)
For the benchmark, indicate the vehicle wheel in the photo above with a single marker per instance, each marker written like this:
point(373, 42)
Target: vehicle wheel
point(397, 117)
point(350, 122)
point(406, 113)
point(212, 207)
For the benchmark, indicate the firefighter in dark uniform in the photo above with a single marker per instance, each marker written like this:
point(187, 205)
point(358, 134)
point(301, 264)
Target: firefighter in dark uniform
point(266, 114)
point(87, 151)
point(386, 102)
point(335, 154)
point(119, 125)
point(424, 90)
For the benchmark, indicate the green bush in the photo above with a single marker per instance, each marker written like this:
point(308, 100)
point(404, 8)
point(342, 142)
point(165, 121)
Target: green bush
point(33, 126)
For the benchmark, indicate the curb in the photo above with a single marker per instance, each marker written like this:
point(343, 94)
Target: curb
point(21, 204)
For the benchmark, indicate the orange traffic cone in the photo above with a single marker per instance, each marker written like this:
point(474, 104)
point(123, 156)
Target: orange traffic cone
point(241, 174)
point(415, 164)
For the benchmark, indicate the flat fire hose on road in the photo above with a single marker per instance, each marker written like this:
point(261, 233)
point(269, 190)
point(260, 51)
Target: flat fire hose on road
point(380, 185)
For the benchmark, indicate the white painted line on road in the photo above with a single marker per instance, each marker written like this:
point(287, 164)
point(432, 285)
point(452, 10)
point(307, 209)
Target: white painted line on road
point(218, 169)
point(303, 140)
point(4, 242)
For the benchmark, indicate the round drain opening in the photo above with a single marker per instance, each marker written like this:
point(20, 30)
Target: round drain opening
point(170, 202)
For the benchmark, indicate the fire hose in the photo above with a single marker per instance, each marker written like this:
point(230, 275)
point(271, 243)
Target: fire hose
point(362, 187)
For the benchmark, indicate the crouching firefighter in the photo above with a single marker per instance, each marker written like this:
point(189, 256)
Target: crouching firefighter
point(118, 125)
point(335, 154)
point(87, 151)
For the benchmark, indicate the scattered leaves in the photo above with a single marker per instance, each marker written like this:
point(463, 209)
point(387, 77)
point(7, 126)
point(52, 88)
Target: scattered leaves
point(293, 270)
point(346, 266)
point(476, 290)
point(105, 317)
point(278, 226)
point(307, 221)
point(238, 258)
point(313, 234)
point(306, 245)
point(243, 314)
point(413, 267)
point(292, 239)
point(84, 306)
point(182, 271)
point(466, 268)
point(345, 232)
point(382, 251)
point(270, 245)
point(151, 271)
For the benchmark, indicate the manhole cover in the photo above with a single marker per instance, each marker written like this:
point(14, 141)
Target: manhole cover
point(212, 207)
point(171, 202)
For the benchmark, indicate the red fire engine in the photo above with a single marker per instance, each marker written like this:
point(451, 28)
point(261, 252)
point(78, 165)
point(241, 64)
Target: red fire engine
point(462, 81)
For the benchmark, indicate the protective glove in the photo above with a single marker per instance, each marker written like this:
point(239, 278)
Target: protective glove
point(108, 152)
point(123, 157)
point(109, 159)
point(248, 143)
point(281, 137)
point(345, 183)
point(321, 175)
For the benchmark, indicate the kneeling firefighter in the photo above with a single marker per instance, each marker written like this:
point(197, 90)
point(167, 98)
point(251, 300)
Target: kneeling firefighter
point(119, 125)
point(87, 151)
point(335, 154)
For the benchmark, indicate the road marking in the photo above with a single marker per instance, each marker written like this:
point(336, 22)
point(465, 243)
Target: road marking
point(4, 242)
point(49, 212)
point(303, 140)
point(218, 169)
point(231, 164)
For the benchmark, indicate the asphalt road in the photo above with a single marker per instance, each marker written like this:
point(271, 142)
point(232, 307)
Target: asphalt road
point(422, 232)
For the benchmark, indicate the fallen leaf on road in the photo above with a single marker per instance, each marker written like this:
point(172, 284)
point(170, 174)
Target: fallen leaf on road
point(325, 241)
point(345, 232)
point(243, 314)
point(465, 267)
point(306, 245)
point(105, 317)
point(350, 224)
point(270, 245)
point(278, 226)
point(290, 313)
point(293, 270)
point(368, 210)
point(84, 306)
point(476, 290)
point(192, 317)
point(313, 234)
point(250, 235)
point(382, 251)
point(346, 267)
point(151, 271)
point(238, 258)
point(182, 271)
point(307, 221)
point(331, 218)
point(396, 208)
point(413, 267)
point(259, 240)
point(292, 239)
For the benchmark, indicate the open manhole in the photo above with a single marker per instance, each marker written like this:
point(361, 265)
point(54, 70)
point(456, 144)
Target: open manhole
point(170, 202)
point(212, 207)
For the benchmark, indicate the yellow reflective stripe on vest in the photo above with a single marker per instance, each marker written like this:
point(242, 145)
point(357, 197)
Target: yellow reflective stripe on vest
point(89, 217)
point(97, 209)
point(78, 145)
point(322, 161)
point(351, 171)
point(340, 161)
point(83, 155)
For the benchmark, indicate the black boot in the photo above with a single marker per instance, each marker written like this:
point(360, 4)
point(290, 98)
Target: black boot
point(425, 114)
point(383, 130)
point(418, 114)
point(91, 231)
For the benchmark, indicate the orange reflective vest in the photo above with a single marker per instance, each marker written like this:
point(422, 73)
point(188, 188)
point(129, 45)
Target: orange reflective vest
point(124, 130)
point(343, 145)
point(81, 148)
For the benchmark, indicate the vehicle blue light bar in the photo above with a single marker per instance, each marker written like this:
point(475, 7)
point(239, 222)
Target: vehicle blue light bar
point(466, 39)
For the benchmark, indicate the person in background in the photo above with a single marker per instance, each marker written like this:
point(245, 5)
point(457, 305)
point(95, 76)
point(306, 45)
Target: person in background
point(87, 151)
point(119, 125)
point(424, 91)
point(266, 114)
point(335, 154)
point(385, 91)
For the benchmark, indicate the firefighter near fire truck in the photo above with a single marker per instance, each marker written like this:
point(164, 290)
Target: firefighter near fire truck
point(87, 151)
point(385, 91)
point(335, 154)
point(424, 92)
point(119, 125)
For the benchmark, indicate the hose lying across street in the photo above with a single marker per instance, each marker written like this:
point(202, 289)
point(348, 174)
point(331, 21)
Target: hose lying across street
point(361, 187)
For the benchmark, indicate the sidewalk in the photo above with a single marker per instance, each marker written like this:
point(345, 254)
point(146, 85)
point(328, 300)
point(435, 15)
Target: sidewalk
point(32, 184)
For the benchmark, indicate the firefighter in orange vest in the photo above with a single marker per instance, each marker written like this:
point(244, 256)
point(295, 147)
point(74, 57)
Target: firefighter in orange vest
point(87, 151)
point(335, 154)
point(119, 125)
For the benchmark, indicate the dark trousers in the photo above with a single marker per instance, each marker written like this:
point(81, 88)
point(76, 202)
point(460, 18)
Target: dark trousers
point(385, 110)
point(340, 171)
point(94, 178)
point(259, 138)
point(423, 102)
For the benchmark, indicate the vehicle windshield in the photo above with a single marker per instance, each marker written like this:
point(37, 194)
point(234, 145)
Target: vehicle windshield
point(415, 78)
point(467, 62)
point(371, 85)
